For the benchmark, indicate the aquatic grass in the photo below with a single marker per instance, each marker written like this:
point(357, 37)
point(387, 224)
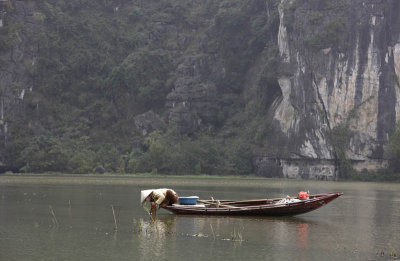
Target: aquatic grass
point(53, 216)
point(134, 223)
point(142, 226)
point(237, 235)
point(69, 208)
point(138, 226)
point(392, 254)
point(168, 222)
point(151, 228)
point(116, 218)
point(147, 210)
point(212, 230)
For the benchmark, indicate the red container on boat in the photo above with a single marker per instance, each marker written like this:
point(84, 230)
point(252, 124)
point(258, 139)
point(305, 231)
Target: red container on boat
point(303, 195)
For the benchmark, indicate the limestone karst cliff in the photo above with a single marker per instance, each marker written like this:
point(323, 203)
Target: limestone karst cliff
point(340, 74)
point(281, 88)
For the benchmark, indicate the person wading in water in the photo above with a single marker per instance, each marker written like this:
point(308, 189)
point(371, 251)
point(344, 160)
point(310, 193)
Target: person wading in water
point(158, 198)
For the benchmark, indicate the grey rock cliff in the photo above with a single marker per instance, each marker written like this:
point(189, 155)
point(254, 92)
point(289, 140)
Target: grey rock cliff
point(148, 122)
point(340, 71)
point(306, 69)
point(192, 103)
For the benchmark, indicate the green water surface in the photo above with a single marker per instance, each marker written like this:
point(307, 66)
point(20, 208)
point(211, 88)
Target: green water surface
point(363, 224)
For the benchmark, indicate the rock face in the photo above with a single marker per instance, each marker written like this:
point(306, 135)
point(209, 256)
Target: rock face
point(340, 71)
point(337, 76)
point(148, 122)
point(100, 169)
point(192, 103)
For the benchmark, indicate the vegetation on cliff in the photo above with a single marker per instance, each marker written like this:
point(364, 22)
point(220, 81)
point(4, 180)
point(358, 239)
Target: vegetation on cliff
point(96, 66)
point(99, 64)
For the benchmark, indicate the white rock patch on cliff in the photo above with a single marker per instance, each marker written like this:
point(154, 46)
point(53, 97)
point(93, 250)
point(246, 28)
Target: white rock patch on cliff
point(282, 35)
point(396, 54)
point(285, 113)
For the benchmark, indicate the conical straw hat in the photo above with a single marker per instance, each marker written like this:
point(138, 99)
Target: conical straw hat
point(144, 194)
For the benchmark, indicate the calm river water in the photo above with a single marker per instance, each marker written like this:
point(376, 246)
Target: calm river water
point(363, 224)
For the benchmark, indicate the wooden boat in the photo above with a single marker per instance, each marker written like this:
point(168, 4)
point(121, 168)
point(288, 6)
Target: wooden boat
point(258, 207)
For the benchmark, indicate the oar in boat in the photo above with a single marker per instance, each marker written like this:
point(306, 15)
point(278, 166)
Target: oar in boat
point(233, 202)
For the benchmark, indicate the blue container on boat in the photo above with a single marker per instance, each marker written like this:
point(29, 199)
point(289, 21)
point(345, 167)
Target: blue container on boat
point(192, 200)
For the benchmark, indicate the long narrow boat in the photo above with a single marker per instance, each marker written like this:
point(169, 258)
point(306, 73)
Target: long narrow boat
point(257, 207)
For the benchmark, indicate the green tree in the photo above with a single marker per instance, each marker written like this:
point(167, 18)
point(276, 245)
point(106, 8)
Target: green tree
point(393, 148)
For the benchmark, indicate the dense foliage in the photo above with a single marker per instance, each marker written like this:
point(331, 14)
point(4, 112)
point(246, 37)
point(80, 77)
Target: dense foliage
point(101, 63)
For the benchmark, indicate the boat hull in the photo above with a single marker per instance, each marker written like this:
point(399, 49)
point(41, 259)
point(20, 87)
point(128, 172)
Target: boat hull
point(264, 208)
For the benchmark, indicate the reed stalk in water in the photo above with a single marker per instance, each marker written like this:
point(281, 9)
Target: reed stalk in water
point(236, 235)
point(212, 230)
point(115, 219)
point(53, 216)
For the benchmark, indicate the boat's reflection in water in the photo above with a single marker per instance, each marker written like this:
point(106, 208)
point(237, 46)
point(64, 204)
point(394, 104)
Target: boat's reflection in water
point(302, 240)
point(169, 233)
